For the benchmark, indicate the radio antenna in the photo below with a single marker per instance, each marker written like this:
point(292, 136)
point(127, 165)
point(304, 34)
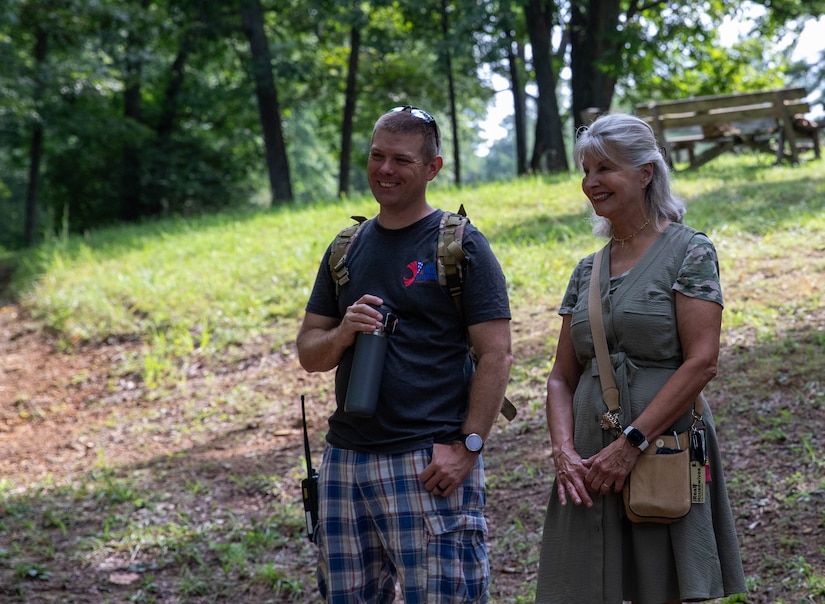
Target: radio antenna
point(307, 452)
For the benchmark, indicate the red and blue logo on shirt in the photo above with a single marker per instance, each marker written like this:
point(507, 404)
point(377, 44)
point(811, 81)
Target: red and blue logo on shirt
point(419, 271)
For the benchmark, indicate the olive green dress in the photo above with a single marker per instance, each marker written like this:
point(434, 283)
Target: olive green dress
point(594, 555)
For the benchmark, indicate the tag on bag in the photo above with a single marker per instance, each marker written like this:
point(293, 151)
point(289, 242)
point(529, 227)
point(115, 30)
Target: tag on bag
point(697, 482)
point(698, 461)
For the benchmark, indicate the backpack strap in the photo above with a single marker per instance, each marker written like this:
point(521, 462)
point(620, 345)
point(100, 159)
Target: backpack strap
point(339, 250)
point(450, 255)
point(451, 261)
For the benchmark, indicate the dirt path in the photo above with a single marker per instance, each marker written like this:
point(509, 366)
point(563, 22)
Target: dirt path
point(57, 410)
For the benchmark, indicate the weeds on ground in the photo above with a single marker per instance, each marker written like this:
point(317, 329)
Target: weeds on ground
point(196, 293)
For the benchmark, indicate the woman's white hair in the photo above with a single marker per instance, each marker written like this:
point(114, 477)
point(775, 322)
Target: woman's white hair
point(629, 141)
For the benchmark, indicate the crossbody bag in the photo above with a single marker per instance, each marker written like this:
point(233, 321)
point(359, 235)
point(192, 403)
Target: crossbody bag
point(669, 475)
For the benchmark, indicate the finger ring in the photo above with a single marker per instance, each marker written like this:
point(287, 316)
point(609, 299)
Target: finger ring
point(439, 487)
point(604, 484)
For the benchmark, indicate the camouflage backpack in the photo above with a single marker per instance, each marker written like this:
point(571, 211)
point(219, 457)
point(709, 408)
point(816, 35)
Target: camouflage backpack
point(449, 263)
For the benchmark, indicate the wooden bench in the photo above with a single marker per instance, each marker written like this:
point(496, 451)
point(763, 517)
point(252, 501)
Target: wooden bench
point(766, 121)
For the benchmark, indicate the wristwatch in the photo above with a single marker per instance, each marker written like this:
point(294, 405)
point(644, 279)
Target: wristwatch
point(473, 442)
point(636, 438)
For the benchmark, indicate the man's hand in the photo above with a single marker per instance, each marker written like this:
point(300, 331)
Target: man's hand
point(361, 316)
point(450, 466)
point(321, 341)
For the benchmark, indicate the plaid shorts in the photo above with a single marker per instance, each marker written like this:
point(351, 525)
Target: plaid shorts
point(377, 523)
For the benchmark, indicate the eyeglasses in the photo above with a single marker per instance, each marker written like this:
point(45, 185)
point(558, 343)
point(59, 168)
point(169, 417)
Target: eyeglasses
point(419, 113)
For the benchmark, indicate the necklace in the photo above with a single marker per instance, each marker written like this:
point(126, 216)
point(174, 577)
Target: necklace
point(622, 240)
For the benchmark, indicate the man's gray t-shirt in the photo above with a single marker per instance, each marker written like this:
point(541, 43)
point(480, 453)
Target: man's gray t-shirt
point(427, 371)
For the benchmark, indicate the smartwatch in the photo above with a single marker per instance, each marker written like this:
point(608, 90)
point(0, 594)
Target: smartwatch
point(473, 442)
point(636, 438)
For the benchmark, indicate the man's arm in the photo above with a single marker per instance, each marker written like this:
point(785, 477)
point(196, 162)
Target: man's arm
point(491, 341)
point(321, 341)
point(317, 345)
point(451, 464)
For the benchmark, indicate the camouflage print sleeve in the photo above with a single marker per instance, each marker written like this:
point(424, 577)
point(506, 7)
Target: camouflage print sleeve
point(699, 275)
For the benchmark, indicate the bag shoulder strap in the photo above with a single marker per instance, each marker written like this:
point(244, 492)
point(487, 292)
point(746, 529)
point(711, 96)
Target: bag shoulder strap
point(340, 248)
point(610, 393)
point(450, 255)
point(450, 264)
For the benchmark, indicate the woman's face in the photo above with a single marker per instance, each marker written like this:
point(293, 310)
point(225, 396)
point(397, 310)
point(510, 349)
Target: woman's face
point(612, 188)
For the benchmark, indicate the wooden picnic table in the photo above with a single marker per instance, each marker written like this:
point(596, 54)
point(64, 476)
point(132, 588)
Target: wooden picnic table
point(771, 121)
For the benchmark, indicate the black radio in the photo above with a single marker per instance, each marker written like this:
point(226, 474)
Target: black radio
point(309, 485)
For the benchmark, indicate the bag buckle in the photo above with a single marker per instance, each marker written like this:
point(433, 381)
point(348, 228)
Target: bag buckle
point(610, 421)
point(697, 419)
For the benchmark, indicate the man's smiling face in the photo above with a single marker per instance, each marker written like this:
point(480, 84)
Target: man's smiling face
point(397, 170)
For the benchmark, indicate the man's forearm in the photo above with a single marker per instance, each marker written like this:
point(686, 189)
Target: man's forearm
point(487, 392)
point(319, 350)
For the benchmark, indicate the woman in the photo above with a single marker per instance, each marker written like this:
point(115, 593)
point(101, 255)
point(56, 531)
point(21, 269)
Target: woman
point(662, 306)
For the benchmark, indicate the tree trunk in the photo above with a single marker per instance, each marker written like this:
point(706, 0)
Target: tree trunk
point(350, 97)
point(169, 106)
point(595, 47)
point(36, 148)
point(156, 194)
point(268, 107)
point(448, 66)
point(131, 208)
point(548, 152)
point(515, 58)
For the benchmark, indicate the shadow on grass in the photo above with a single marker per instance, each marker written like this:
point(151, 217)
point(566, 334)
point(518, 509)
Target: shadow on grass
point(194, 526)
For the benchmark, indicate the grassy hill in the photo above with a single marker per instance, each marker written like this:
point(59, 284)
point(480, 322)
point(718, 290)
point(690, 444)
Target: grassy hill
point(151, 450)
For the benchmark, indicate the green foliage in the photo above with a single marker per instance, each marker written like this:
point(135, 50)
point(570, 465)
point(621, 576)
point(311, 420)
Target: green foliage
point(680, 55)
point(213, 551)
point(190, 149)
point(191, 140)
point(785, 16)
point(313, 168)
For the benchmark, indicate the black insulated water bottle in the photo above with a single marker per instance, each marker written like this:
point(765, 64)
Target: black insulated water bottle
point(368, 366)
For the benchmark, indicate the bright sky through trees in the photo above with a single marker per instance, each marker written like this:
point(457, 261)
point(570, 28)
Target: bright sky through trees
point(810, 46)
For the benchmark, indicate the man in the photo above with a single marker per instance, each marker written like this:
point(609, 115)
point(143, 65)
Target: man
point(401, 493)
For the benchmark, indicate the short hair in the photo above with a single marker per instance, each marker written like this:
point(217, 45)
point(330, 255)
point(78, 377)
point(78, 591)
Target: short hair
point(413, 121)
point(630, 141)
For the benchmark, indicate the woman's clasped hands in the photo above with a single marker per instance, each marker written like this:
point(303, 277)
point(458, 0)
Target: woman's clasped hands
point(577, 478)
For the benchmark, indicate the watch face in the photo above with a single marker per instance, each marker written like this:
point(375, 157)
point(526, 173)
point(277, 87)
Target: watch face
point(473, 442)
point(635, 437)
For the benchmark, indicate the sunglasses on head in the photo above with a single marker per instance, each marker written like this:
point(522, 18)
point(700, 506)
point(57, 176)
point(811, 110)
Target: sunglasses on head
point(422, 115)
point(419, 113)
